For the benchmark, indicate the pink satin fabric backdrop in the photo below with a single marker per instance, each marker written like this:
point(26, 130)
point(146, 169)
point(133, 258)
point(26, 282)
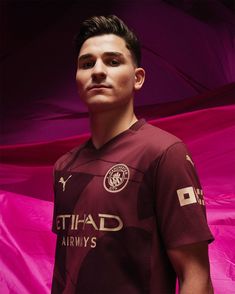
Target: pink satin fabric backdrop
point(188, 54)
point(27, 243)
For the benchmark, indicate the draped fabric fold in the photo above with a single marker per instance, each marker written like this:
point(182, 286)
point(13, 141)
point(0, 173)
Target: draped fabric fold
point(188, 55)
point(27, 243)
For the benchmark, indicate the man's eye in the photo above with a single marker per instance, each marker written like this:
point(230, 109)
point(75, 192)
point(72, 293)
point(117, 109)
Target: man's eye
point(114, 62)
point(87, 65)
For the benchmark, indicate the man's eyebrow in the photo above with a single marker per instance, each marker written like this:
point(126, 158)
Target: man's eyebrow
point(111, 53)
point(85, 56)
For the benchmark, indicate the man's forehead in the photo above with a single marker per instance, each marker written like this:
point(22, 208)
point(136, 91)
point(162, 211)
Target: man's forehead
point(104, 43)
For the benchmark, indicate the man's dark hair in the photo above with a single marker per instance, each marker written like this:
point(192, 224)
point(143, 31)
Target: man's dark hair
point(101, 25)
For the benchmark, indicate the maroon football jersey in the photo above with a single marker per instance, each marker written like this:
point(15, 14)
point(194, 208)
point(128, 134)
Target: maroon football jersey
point(119, 208)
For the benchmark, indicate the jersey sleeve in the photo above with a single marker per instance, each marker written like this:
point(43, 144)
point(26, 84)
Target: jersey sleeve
point(180, 206)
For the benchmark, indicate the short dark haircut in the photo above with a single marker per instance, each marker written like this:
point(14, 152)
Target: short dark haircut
point(111, 24)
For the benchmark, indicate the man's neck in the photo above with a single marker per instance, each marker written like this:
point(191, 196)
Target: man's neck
point(107, 125)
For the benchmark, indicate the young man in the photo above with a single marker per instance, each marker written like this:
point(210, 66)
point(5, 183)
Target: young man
point(129, 212)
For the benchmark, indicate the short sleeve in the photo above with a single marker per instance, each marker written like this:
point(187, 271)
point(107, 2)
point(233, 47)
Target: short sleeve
point(180, 206)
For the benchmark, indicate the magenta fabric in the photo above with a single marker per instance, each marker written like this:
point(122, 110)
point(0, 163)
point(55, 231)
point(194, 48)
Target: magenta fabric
point(188, 51)
point(189, 57)
point(27, 243)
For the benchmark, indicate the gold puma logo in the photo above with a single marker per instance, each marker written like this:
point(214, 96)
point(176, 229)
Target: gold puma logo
point(63, 181)
point(189, 159)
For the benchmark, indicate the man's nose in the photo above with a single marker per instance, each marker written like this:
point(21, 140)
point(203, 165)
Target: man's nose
point(99, 71)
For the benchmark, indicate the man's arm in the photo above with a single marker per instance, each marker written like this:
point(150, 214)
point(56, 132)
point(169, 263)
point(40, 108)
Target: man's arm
point(191, 264)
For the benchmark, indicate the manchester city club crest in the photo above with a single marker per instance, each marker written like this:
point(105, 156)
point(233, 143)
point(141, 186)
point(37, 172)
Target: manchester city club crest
point(116, 178)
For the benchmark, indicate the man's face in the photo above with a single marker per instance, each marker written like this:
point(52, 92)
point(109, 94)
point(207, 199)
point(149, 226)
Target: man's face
point(106, 74)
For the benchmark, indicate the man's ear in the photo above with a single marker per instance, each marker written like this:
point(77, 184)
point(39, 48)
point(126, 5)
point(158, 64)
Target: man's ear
point(139, 78)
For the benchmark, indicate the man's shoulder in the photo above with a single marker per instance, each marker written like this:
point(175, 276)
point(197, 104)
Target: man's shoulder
point(62, 161)
point(156, 137)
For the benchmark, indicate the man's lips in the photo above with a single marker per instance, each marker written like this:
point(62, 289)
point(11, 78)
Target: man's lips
point(100, 86)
